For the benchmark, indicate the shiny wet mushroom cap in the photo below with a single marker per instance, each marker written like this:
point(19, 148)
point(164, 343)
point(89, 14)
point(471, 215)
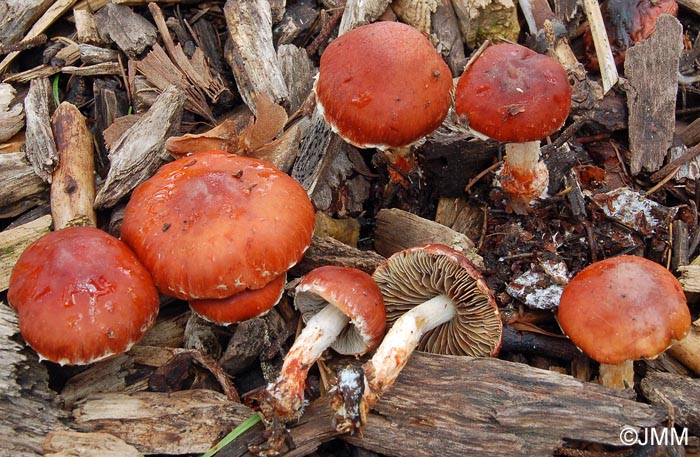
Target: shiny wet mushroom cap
point(416, 275)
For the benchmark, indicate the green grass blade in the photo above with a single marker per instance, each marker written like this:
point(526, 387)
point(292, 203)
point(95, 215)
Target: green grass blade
point(235, 433)
point(56, 99)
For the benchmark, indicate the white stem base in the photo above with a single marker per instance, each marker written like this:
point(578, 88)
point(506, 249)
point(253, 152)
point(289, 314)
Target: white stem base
point(285, 397)
point(402, 339)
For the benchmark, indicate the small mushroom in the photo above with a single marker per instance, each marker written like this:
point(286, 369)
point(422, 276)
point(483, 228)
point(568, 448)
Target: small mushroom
point(343, 309)
point(516, 96)
point(436, 301)
point(213, 225)
point(623, 309)
point(383, 85)
point(81, 296)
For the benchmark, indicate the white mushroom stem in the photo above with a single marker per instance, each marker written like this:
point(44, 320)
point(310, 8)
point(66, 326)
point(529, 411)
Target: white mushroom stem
point(285, 397)
point(400, 342)
point(620, 376)
point(524, 176)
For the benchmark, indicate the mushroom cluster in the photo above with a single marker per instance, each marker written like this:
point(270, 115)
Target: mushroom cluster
point(220, 231)
point(436, 301)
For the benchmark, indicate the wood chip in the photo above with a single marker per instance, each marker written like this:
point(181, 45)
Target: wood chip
point(11, 115)
point(415, 13)
point(131, 32)
point(140, 151)
point(361, 12)
point(22, 189)
point(41, 149)
point(651, 68)
point(67, 443)
point(14, 241)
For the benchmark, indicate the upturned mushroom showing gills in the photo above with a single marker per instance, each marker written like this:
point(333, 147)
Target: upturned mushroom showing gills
point(516, 96)
point(81, 296)
point(213, 225)
point(623, 309)
point(436, 301)
point(343, 309)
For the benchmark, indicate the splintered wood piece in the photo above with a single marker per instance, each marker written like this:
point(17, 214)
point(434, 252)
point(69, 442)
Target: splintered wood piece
point(482, 20)
point(11, 117)
point(252, 54)
point(283, 151)
point(91, 55)
point(361, 12)
point(160, 71)
point(461, 215)
point(140, 151)
point(415, 13)
point(66, 443)
point(313, 152)
point(690, 278)
point(22, 189)
point(447, 36)
point(681, 393)
point(456, 406)
point(17, 17)
point(196, 69)
point(130, 31)
point(184, 422)
point(14, 241)
point(298, 72)
point(29, 409)
point(73, 185)
point(86, 27)
point(608, 69)
point(398, 230)
point(67, 56)
point(55, 11)
point(329, 251)
point(651, 68)
point(40, 146)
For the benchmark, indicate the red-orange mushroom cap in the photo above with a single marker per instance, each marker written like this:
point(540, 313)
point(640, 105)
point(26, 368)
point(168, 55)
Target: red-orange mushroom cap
point(215, 224)
point(383, 85)
point(242, 306)
point(353, 292)
point(624, 308)
point(514, 95)
point(81, 296)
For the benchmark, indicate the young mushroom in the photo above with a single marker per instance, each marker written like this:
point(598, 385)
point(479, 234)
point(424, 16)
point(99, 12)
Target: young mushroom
point(516, 96)
point(623, 309)
point(343, 309)
point(383, 85)
point(214, 225)
point(436, 301)
point(81, 296)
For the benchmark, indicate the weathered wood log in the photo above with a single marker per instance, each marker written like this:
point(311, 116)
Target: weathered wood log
point(11, 115)
point(456, 406)
point(329, 251)
point(651, 69)
point(397, 230)
point(28, 408)
point(73, 182)
point(252, 54)
point(22, 189)
point(682, 392)
point(14, 241)
point(140, 151)
point(189, 421)
point(40, 146)
point(120, 25)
